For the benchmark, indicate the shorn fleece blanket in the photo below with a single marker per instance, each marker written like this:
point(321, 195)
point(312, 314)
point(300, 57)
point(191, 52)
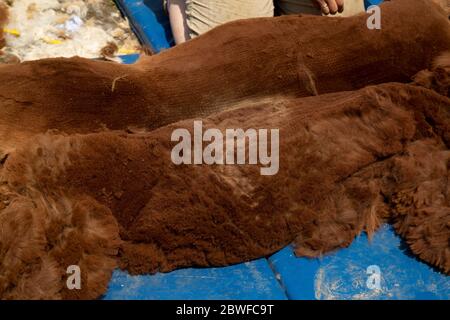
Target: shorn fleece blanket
point(88, 176)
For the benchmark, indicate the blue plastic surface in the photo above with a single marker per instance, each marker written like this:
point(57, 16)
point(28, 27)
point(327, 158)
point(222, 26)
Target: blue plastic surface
point(253, 280)
point(368, 3)
point(343, 274)
point(129, 59)
point(149, 21)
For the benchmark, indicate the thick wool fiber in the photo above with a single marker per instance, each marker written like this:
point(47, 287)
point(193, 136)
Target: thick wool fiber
point(83, 194)
point(348, 162)
point(236, 64)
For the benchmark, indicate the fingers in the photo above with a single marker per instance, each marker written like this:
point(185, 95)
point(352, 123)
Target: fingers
point(324, 6)
point(340, 4)
point(331, 6)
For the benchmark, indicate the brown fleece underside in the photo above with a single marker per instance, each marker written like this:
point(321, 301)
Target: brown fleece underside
point(348, 160)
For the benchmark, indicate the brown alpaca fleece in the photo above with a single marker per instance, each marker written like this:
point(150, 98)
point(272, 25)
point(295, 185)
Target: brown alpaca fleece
point(445, 4)
point(348, 162)
point(438, 77)
point(236, 64)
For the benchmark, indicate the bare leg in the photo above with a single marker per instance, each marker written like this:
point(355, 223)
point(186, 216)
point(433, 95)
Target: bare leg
point(177, 15)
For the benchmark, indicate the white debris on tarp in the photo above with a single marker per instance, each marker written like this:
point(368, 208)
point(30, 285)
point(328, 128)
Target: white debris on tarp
point(64, 28)
point(72, 25)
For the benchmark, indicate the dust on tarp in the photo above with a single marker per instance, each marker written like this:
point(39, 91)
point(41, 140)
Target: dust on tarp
point(38, 29)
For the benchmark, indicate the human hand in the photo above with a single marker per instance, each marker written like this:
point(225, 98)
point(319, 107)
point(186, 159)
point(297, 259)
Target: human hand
point(330, 6)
